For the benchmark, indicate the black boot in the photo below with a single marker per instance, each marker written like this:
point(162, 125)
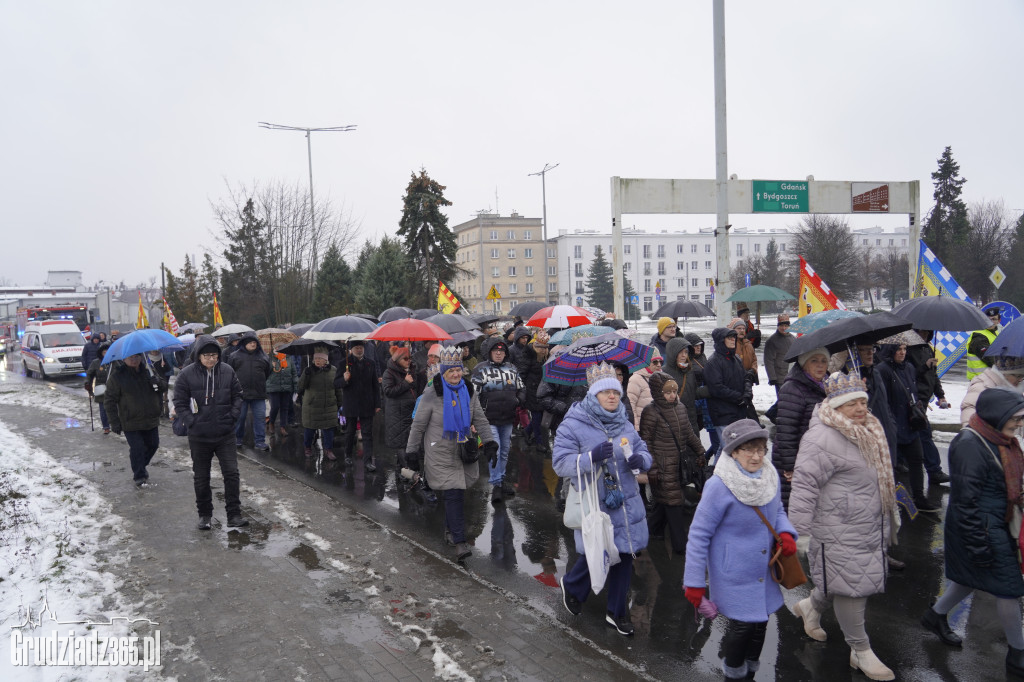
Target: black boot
point(1015, 661)
point(938, 624)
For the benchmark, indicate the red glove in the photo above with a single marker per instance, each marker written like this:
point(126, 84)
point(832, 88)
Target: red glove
point(694, 595)
point(788, 544)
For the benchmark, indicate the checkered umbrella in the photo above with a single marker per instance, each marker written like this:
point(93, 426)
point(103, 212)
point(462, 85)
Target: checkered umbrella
point(560, 317)
point(570, 368)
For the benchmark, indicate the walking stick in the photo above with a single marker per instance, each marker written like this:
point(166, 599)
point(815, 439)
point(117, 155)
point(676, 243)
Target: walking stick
point(92, 424)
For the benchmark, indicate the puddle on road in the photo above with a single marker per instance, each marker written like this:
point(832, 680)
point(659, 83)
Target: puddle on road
point(81, 466)
point(65, 423)
point(307, 555)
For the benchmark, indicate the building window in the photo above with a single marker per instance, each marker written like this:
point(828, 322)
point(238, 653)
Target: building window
point(552, 254)
point(494, 253)
point(904, 242)
point(628, 267)
point(511, 235)
point(579, 287)
point(707, 265)
point(757, 248)
point(782, 247)
point(527, 253)
point(707, 248)
point(552, 287)
point(511, 253)
point(709, 282)
point(627, 249)
point(865, 242)
point(647, 285)
point(527, 235)
point(577, 251)
point(661, 267)
point(495, 272)
point(513, 289)
point(878, 242)
point(680, 265)
point(579, 270)
point(679, 248)
point(551, 271)
point(494, 235)
point(693, 265)
point(693, 283)
point(529, 287)
point(681, 282)
point(497, 306)
point(647, 250)
point(891, 243)
point(648, 304)
point(511, 271)
point(739, 250)
point(661, 250)
point(647, 269)
point(529, 271)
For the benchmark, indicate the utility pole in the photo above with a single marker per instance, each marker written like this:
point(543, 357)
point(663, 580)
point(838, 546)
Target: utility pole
point(724, 289)
point(544, 200)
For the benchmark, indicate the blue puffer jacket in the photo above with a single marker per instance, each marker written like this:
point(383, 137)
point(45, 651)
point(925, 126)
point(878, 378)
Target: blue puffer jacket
point(579, 433)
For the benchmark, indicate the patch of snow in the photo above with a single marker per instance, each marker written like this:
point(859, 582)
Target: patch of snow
point(318, 542)
point(372, 591)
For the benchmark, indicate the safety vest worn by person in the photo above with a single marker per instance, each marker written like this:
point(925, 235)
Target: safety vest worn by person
point(975, 365)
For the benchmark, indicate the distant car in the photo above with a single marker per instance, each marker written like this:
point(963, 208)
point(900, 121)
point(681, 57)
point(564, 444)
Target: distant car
point(4, 343)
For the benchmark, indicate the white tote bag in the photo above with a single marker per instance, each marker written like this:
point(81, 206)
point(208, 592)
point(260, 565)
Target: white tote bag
point(598, 536)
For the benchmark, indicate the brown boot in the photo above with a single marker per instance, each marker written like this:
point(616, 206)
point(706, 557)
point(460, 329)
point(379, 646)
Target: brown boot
point(329, 455)
point(283, 431)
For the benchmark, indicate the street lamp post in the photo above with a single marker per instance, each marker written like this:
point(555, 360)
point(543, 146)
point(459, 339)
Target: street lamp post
point(544, 199)
point(309, 153)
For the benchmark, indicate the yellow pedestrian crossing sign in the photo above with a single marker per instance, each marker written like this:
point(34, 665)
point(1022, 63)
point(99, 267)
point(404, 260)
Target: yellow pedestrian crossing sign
point(493, 294)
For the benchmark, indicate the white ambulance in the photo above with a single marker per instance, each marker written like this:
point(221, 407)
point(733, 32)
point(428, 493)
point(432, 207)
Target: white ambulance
point(52, 348)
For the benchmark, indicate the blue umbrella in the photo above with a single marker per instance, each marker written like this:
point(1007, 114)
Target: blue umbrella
point(138, 342)
point(815, 321)
point(1009, 342)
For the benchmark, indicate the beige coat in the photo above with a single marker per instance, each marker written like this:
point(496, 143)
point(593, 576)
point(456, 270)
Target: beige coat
point(990, 378)
point(442, 464)
point(638, 390)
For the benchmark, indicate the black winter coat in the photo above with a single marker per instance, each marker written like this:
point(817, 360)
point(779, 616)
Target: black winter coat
point(90, 352)
point(666, 428)
point(217, 394)
point(900, 381)
point(362, 390)
point(979, 551)
point(252, 369)
point(725, 377)
point(557, 399)
point(797, 399)
point(499, 387)
point(130, 401)
point(531, 371)
point(878, 405)
point(400, 401)
point(928, 382)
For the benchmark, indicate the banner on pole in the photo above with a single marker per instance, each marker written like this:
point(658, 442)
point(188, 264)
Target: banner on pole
point(218, 320)
point(141, 321)
point(933, 279)
point(172, 322)
point(815, 296)
point(446, 301)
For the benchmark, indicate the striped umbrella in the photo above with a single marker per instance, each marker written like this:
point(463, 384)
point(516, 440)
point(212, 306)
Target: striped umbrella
point(570, 368)
point(560, 317)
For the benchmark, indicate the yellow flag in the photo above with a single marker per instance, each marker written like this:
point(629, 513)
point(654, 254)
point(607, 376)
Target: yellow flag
point(446, 301)
point(141, 322)
point(218, 320)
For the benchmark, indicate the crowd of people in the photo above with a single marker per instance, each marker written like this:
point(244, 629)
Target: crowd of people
point(823, 483)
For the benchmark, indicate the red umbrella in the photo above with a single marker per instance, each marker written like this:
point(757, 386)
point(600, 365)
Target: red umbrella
point(560, 316)
point(408, 330)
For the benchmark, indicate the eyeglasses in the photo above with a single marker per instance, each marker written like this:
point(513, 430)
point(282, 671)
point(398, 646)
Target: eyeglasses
point(209, 356)
point(657, 361)
point(761, 452)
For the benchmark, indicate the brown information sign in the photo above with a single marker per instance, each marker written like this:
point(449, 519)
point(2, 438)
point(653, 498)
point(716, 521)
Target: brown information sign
point(870, 197)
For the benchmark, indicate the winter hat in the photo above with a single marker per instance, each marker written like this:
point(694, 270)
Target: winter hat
point(740, 432)
point(842, 388)
point(1002, 403)
point(804, 357)
point(357, 342)
point(451, 357)
point(1007, 364)
point(783, 319)
point(742, 309)
point(670, 386)
point(664, 323)
point(435, 350)
point(602, 377)
point(320, 355)
point(736, 322)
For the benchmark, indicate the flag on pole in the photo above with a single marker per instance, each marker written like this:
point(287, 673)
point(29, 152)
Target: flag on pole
point(446, 301)
point(172, 322)
point(815, 296)
point(218, 320)
point(935, 280)
point(141, 322)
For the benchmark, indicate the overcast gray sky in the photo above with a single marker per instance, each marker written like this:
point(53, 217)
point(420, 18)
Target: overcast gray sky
point(122, 120)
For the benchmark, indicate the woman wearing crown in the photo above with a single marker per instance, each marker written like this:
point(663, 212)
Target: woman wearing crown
point(448, 419)
point(844, 501)
point(597, 434)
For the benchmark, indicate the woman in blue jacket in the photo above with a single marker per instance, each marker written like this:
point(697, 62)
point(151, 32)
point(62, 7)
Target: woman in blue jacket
point(593, 431)
point(730, 543)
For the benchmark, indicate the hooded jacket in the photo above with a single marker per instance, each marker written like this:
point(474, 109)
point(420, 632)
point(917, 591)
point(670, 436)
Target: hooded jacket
point(797, 399)
point(990, 378)
point(665, 428)
point(362, 390)
point(928, 382)
point(531, 371)
point(558, 398)
point(724, 377)
point(400, 401)
point(130, 400)
point(216, 392)
point(775, 350)
point(498, 385)
point(516, 350)
point(321, 398)
point(979, 550)
point(900, 380)
point(282, 378)
point(251, 367)
point(685, 377)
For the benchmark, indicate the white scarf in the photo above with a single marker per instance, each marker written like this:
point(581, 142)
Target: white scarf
point(754, 492)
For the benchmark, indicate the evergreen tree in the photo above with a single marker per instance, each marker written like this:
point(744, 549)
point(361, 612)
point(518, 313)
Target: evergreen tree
point(946, 228)
point(332, 294)
point(209, 282)
point(244, 293)
point(599, 285)
point(383, 277)
point(188, 292)
point(632, 311)
point(171, 289)
point(429, 242)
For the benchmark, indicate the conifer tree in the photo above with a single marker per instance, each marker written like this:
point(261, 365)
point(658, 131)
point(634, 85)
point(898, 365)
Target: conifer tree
point(427, 238)
point(599, 285)
point(332, 294)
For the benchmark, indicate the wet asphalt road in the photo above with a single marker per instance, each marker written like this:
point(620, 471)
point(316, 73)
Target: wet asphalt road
point(522, 548)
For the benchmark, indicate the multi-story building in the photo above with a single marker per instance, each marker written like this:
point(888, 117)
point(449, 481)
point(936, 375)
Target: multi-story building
point(508, 253)
point(683, 264)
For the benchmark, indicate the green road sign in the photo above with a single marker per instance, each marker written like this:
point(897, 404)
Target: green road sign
point(779, 196)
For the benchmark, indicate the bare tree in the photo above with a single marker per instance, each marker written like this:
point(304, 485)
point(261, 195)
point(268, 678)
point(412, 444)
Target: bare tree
point(826, 243)
point(890, 273)
point(989, 238)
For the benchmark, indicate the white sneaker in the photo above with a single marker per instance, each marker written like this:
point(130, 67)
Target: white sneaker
point(868, 663)
point(804, 609)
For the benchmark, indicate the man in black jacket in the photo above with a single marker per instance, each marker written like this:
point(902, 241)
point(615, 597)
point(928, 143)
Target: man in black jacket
point(252, 366)
point(929, 385)
point(208, 399)
point(133, 405)
point(361, 401)
point(725, 381)
point(500, 390)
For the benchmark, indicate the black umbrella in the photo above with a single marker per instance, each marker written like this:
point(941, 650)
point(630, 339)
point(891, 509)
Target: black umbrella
point(682, 308)
point(485, 319)
point(615, 324)
point(365, 316)
point(302, 346)
point(453, 323)
point(527, 309)
point(341, 328)
point(839, 334)
point(300, 328)
point(943, 313)
point(397, 313)
point(463, 337)
point(423, 313)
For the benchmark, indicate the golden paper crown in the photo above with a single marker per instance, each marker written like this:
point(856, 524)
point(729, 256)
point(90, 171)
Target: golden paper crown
point(451, 356)
point(602, 371)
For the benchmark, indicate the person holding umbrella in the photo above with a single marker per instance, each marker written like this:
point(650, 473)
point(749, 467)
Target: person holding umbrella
point(448, 420)
point(979, 343)
point(134, 405)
